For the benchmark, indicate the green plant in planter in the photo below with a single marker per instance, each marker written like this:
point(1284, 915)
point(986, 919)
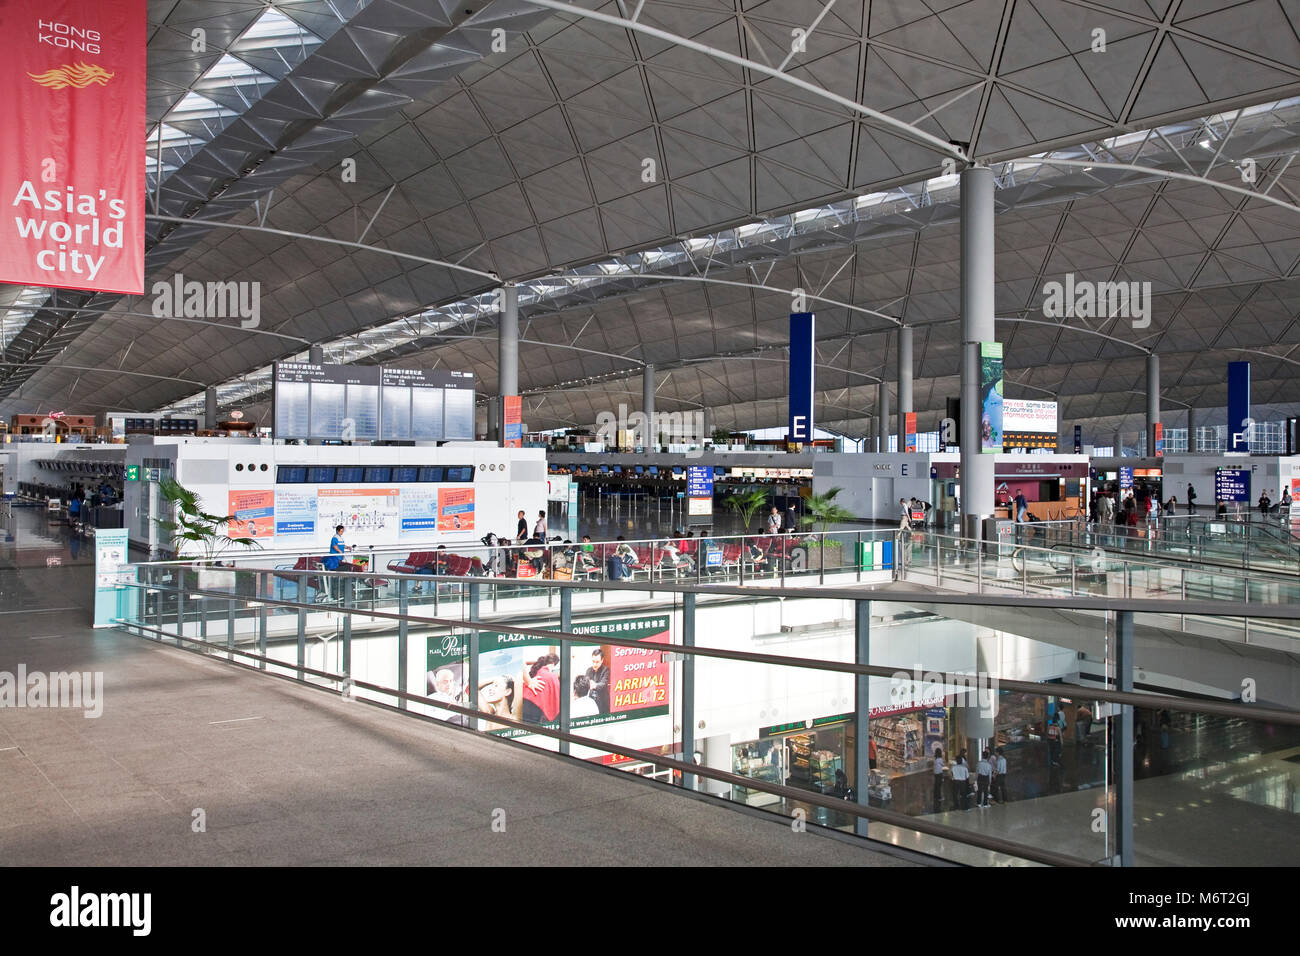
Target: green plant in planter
point(822, 511)
point(196, 526)
point(746, 504)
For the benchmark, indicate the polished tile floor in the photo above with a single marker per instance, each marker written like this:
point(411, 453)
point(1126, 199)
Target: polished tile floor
point(282, 774)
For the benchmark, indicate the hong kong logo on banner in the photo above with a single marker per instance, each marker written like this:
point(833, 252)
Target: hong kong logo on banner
point(72, 93)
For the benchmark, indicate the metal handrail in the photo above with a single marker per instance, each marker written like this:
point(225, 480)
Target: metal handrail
point(863, 810)
point(1219, 708)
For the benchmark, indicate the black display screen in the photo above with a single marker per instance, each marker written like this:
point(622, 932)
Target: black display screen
point(406, 473)
point(432, 473)
point(349, 474)
point(381, 475)
point(460, 473)
point(320, 475)
point(290, 475)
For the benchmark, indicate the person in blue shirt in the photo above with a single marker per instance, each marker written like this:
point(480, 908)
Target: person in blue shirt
point(334, 558)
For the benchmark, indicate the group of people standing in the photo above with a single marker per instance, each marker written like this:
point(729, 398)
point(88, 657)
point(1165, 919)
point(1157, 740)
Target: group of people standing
point(990, 780)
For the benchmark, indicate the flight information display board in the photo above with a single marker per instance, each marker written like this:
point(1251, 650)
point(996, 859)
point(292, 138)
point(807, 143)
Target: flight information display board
point(371, 403)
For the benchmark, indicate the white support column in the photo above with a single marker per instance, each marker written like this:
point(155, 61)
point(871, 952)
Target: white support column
point(904, 384)
point(976, 326)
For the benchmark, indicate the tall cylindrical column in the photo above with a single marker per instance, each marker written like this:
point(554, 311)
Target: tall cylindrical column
point(507, 353)
point(904, 384)
point(210, 408)
point(648, 406)
point(1118, 442)
point(316, 354)
point(882, 417)
point(976, 326)
point(1153, 401)
point(708, 424)
point(1191, 430)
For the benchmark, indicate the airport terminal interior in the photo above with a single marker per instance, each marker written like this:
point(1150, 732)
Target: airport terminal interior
point(720, 432)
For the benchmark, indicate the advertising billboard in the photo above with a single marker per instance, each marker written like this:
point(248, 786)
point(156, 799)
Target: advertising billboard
point(455, 509)
point(990, 397)
point(253, 513)
point(519, 675)
point(72, 107)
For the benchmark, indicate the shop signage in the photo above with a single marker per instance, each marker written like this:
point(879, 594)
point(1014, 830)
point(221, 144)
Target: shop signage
point(72, 172)
point(798, 725)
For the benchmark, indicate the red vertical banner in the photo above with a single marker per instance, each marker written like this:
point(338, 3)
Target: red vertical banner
point(72, 90)
point(909, 430)
point(512, 417)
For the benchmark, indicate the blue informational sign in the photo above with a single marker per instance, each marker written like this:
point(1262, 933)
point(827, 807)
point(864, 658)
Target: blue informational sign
point(1232, 484)
point(1125, 478)
point(699, 481)
point(1239, 407)
point(713, 558)
point(114, 598)
point(1078, 439)
point(802, 359)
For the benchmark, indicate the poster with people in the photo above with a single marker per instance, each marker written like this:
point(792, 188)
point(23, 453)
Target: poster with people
point(519, 675)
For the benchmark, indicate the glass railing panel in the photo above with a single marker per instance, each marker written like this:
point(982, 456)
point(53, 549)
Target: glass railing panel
point(1215, 791)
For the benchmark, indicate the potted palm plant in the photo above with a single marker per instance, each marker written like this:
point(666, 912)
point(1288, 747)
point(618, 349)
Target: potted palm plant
point(745, 504)
point(820, 512)
point(197, 532)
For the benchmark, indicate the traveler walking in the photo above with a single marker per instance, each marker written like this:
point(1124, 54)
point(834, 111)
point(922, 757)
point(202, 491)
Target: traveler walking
point(1191, 499)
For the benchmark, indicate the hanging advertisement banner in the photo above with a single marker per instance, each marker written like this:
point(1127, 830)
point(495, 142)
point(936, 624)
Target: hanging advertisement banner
point(802, 356)
point(1160, 439)
point(512, 417)
point(72, 88)
point(455, 509)
point(1078, 439)
point(990, 397)
point(253, 513)
point(909, 431)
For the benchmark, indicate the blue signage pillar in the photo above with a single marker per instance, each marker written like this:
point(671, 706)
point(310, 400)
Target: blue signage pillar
point(802, 358)
point(1239, 421)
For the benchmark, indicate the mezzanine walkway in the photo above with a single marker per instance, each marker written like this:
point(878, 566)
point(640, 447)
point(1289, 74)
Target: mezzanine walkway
point(290, 775)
